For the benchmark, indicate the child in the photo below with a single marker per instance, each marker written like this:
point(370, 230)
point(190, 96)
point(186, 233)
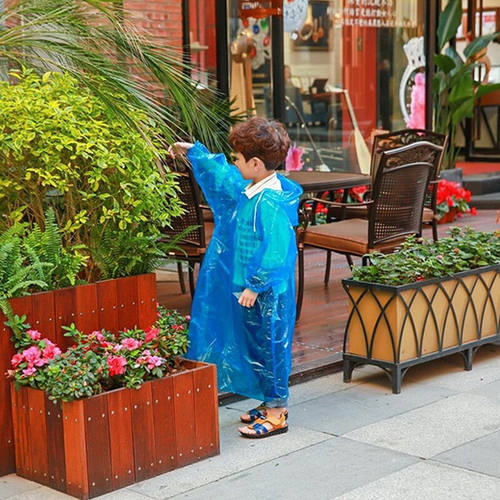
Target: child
point(243, 311)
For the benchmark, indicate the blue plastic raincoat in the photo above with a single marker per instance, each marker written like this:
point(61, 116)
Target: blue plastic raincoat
point(253, 246)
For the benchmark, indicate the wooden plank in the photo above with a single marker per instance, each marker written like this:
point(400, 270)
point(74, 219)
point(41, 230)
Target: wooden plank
point(206, 411)
point(146, 313)
point(16, 401)
point(120, 437)
point(185, 432)
point(43, 318)
point(143, 432)
point(98, 448)
point(75, 451)
point(164, 423)
point(86, 310)
point(24, 456)
point(127, 302)
point(55, 447)
point(64, 306)
point(37, 435)
point(107, 302)
point(22, 305)
point(7, 456)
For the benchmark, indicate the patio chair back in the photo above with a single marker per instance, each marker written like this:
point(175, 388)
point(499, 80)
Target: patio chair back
point(399, 138)
point(398, 198)
point(190, 196)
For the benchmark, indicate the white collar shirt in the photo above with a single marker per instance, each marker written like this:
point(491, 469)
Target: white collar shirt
point(270, 182)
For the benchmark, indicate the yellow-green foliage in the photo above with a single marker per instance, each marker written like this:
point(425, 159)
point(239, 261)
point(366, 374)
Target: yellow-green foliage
point(59, 147)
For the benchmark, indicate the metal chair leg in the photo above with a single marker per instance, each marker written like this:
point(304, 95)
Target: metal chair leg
point(191, 278)
point(434, 230)
point(365, 260)
point(180, 272)
point(349, 261)
point(300, 294)
point(328, 265)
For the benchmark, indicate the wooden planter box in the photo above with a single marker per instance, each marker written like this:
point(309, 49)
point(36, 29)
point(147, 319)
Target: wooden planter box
point(99, 444)
point(396, 327)
point(111, 304)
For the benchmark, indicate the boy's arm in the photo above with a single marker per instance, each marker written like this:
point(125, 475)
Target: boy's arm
point(271, 264)
point(220, 181)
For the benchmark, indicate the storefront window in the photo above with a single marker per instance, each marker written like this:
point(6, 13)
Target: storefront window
point(366, 52)
point(250, 60)
point(202, 42)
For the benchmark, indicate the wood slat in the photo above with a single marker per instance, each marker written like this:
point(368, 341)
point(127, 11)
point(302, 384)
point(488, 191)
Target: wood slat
point(143, 432)
point(37, 435)
point(64, 306)
point(86, 310)
point(120, 437)
point(107, 302)
point(7, 456)
point(206, 411)
point(164, 424)
point(184, 417)
point(75, 450)
point(146, 312)
point(43, 318)
point(127, 291)
point(55, 448)
point(98, 446)
point(16, 402)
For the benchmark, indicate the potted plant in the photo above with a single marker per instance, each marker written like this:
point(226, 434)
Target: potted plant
point(455, 90)
point(425, 301)
point(110, 410)
point(452, 200)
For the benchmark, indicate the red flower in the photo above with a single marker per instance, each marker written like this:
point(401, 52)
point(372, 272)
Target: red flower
point(151, 334)
point(16, 360)
point(116, 365)
point(473, 211)
point(51, 350)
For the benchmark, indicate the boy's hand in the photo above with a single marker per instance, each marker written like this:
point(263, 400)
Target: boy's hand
point(179, 148)
point(247, 298)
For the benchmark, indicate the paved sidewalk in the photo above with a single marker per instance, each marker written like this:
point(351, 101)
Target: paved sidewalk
point(438, 439)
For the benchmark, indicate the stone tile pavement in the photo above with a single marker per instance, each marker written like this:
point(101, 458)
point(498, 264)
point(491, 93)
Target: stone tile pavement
point(438, 439)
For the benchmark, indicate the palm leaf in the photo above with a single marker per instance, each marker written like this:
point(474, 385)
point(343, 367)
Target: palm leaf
point(91, 41)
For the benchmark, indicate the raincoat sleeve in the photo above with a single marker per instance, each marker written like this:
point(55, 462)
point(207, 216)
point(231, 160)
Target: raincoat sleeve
point(274, 260)
point(220, 182)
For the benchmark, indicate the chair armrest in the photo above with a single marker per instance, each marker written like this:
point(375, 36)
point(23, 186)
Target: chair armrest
point(336, 203)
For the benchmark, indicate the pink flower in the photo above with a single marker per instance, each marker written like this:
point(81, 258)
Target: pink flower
point(27, 372)
point(151, 334)
point(32, 356)
point(417, 105)
point(50, 350)
point(131, 344)
point(16, 360)
point(34, 334)
point(117, 347)
point(116, 365)
point(98, 336)
point(188, 318)
point(153, 361)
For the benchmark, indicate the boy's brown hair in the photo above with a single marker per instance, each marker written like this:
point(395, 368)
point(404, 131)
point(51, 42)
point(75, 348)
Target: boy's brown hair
point(265, 139)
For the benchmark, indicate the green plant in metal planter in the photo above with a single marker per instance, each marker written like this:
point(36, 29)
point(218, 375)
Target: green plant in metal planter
point(455, 89)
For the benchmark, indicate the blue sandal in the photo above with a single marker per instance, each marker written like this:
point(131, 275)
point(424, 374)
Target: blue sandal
point(279, 426)
point(256, 413)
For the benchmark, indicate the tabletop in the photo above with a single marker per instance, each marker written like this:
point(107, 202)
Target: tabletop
point(328, 181)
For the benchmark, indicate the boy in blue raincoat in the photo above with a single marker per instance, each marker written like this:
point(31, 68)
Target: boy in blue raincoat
point(243, 311)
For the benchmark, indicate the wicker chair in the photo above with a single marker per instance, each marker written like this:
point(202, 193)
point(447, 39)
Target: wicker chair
point(393, 140)
point(394, 213)
point(193, 245)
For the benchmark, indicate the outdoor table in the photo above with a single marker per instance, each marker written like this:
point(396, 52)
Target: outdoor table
point(327, 181)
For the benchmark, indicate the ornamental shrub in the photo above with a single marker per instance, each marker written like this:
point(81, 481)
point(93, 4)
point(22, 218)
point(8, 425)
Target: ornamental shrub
point(418, 260)
point(61, 148)
point(98, 361)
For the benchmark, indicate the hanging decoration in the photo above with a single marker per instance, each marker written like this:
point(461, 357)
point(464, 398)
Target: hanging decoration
point(260, 10)
point(294, 14)
point(258, 31)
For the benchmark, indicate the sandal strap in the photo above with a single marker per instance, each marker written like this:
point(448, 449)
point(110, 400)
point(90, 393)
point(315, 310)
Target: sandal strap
point(274, 421)
point(260, 429)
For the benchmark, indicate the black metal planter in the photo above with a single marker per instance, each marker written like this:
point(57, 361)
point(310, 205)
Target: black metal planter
point(396, 327)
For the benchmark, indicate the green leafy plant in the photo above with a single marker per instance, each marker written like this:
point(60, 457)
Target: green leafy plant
point(99, 361)
point(63, 149)
point(418, 260)
point(455, 90)
point(97, 43)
